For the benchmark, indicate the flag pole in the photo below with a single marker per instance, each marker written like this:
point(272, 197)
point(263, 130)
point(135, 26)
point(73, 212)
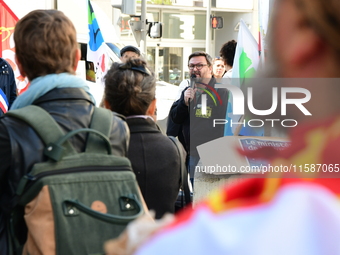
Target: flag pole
point(239, 127)
point(143, 28)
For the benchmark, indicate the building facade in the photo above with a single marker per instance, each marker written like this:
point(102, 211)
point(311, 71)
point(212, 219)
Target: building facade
point(185, 30)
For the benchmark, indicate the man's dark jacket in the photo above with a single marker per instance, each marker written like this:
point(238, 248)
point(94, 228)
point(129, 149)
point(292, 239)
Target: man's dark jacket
point(197, 129)
point(21, 147)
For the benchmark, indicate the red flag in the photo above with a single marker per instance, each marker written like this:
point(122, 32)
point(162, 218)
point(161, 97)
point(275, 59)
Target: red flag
point(7, 49)
point(7, 20)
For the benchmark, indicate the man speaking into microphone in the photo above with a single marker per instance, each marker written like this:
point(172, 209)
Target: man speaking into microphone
point(200, 103)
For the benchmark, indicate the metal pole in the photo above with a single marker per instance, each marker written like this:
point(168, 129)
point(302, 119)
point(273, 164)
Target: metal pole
point(208, 28)
point(143, 28)
point(156, 61)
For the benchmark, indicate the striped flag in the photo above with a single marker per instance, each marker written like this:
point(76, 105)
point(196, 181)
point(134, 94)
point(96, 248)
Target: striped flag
point(246, 62)
point(3, 101)
point(96, 52)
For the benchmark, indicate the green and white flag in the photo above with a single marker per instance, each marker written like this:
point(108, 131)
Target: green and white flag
point(246, 62)
point(246, 59)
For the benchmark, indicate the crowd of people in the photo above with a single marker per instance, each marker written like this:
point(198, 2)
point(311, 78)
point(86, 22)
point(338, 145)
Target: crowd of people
point(300, 215)
point(288, 214)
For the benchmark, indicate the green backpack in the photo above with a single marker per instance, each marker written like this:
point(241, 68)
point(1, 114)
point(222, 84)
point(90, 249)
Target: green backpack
point(73, 202)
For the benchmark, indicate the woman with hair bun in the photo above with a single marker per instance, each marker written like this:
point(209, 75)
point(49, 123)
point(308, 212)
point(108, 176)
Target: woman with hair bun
point(130, 90)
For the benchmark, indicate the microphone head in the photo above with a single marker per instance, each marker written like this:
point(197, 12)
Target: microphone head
point(193, 76)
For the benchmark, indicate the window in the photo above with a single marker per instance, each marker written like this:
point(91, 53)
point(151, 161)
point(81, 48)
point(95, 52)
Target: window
point(183, 26)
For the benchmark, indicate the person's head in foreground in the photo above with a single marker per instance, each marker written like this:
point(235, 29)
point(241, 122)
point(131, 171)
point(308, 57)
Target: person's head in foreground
point(128, 52)
point(218, 67)
point(264, 216)
point(46, 43)
point(130, 88)
point(306, 44)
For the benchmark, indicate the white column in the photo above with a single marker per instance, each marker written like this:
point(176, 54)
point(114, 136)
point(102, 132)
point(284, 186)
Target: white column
point(208, 29)
point(143, 28)
point(156, 61)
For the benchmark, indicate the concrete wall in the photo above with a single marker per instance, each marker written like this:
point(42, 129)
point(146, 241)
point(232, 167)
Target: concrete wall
point(227, 33)
point(22, 7)
point(205, 184)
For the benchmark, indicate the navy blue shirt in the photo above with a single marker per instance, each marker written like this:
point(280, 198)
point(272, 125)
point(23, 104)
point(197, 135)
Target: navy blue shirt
point(7, 83)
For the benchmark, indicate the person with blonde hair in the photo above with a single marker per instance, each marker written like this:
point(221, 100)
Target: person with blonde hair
point(218, 67)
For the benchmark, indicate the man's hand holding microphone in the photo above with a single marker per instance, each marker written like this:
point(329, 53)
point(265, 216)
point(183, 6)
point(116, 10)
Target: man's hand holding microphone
point(189, 94)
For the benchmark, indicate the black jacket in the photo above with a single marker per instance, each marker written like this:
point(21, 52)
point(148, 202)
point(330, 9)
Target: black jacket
point(199, 129)
point(7, 82)
point(21, 147)
point(156, 163)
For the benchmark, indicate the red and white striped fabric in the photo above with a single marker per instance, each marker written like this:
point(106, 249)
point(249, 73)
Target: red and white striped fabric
point(261, 216)
point(3, 101)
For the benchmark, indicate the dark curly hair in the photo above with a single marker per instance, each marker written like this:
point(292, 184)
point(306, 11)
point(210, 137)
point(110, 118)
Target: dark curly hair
point(227, 52)
point(130, 87)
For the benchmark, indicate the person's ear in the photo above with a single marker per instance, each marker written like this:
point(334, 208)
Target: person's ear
point(77, 58)
point(106, 104)
point(211, 69)
point(22, 72)
point(306, 47)
point(152, 109)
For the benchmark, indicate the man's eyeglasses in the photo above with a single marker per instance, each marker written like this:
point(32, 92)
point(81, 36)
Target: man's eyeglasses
point(198, 66)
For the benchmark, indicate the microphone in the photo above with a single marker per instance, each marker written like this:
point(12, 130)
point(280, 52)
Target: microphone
point(192, 83)
point(192, 80)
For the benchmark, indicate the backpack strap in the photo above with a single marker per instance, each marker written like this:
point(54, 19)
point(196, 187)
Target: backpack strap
point(43, 123)
point(102, 121)
point(184, 172)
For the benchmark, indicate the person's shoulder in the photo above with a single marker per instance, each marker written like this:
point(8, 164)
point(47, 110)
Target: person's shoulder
point(168, 147)
point(164, 141)
point(118, 116)
point(3, 62)
point(5, 66)
point(228, 74)
point(184, 83)
point(181, 87)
